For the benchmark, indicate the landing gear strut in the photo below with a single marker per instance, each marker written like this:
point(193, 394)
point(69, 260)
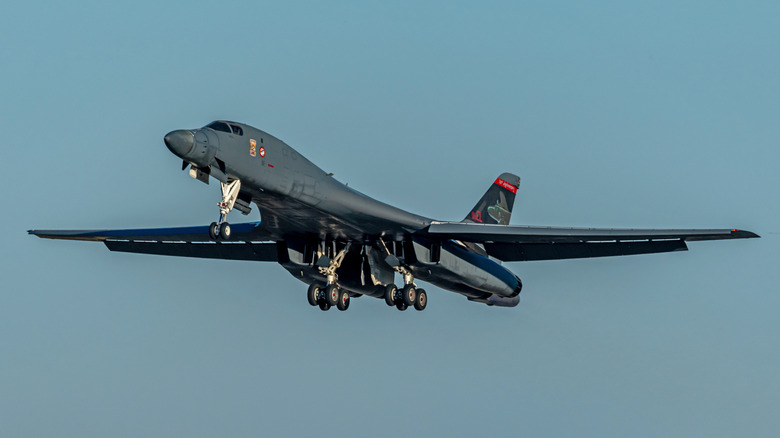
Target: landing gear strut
point(221, 229)
point(332, 294)
point(409, 295)
point(406, 297)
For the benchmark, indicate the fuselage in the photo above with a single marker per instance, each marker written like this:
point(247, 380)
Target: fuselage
point(303, 206)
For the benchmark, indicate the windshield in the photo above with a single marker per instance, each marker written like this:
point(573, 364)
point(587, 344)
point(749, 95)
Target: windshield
point(219, 126)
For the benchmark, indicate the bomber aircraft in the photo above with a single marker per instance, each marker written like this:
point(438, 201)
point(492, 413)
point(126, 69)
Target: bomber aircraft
point(344, 244)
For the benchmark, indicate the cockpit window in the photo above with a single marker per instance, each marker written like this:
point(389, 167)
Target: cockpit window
point(219, 126)
point(237, 130)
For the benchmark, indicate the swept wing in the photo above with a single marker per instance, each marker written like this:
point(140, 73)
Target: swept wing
point(512, 243)
point(248, 242)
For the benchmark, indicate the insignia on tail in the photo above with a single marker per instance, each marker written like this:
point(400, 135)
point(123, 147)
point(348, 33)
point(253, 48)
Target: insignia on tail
point(495, 207)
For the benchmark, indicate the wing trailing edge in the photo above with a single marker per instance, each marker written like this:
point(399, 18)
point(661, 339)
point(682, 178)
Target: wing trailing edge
point(248, 241)
point(481, 233)
point(246, 231)
point(525, 243)
point(251, 251)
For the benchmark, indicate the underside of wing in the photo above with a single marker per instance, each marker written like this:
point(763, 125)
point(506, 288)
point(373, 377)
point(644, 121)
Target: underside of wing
point(249, 241)
point(525, 243)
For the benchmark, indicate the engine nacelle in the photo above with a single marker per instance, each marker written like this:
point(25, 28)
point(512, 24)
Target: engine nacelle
point(450, 265)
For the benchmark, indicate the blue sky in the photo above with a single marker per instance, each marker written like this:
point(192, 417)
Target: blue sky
point(615, 114)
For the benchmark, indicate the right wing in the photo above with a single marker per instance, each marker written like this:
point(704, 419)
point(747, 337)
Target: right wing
point(248, 241)
point(513, 243)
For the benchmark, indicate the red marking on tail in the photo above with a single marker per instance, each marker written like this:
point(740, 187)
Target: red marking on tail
point(506, 185)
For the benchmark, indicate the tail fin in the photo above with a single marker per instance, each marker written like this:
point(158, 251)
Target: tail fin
point(495, 207)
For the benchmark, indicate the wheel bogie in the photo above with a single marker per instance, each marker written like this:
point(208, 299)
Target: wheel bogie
point(333, 295)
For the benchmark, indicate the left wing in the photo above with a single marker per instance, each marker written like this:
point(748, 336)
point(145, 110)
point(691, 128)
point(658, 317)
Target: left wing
point(512, 243)
point(248, 241)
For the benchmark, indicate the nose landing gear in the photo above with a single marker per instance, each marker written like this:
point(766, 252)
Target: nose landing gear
point(221, 229)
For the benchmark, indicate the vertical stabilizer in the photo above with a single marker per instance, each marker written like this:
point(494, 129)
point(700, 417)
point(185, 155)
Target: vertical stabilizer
point(495, 207)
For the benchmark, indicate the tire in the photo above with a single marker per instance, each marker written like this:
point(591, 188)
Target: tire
point(390, 291)
point(409, 295)
point(313, 294)
point(343, 303)
point(214, 230)
point(422, 300)
point(401, 306)
point(224, 231)
point(324, 306)
point(332, 294)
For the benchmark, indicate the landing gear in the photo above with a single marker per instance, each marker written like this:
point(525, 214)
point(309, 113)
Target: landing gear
point(332, 294)
point(407, 297)
point(221, 229)
point(327, 297)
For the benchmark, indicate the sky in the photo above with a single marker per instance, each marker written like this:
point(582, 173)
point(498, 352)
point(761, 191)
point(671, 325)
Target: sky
point(614, 114)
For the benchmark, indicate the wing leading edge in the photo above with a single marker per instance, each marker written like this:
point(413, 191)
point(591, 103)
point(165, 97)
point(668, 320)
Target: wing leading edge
point(248, 242)
point(525, 243)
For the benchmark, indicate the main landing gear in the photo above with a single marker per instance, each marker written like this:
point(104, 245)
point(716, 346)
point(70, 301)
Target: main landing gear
point(330, 295)
point(221, 229)
point(406, 297)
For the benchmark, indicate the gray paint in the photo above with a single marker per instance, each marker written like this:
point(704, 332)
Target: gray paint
point(308, 216)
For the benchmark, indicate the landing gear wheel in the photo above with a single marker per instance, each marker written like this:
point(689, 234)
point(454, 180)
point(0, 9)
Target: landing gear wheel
point(313, 294)
point(390, 291)
point(224, 231)
point(343, 303)
point(332, 294)
point(409, 295)
point(401, 306)
point(422, 300)
point(324, 306)
point(214, 230)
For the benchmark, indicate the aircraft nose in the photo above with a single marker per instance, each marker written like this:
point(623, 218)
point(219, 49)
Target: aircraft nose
point(180, 142)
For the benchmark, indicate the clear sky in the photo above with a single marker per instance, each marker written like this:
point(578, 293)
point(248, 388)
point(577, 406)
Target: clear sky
point(615, 114)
